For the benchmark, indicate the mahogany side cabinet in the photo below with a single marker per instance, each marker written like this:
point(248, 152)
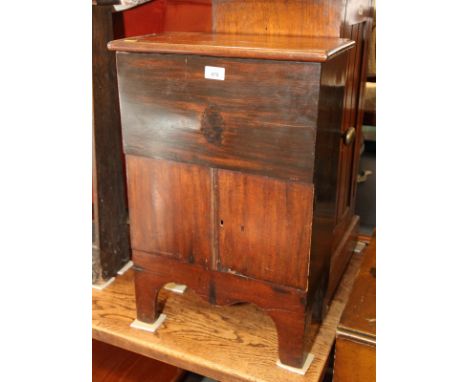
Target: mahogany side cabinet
point(232, 146)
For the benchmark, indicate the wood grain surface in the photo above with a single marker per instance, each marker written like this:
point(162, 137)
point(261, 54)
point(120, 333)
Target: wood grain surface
point(248, 214)
point(188, 15)
point(296, 48)
point(113, 364)
point(289, 17)
point(341, 256)
point(265, 228)
point(355, 356)
point(261, 119)
point(279, 17)
point(161, 219)
point(112, 246)
point(234, 343)
point(354, 362)
point(359, 317)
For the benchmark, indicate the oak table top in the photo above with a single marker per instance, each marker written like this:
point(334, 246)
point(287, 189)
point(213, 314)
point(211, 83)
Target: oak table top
point(231, 343)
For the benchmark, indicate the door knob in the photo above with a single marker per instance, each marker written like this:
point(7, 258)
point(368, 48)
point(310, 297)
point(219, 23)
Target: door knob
point(349, 136)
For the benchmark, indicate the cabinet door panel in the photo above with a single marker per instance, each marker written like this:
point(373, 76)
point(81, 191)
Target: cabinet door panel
point(170, 206)
point(265, 228)
point(352, 117)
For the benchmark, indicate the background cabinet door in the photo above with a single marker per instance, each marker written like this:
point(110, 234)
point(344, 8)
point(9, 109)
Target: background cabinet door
point(265, 228)
point(352, 118)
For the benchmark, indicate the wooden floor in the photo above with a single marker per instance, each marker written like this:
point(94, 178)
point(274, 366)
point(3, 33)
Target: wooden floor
point(233, 343)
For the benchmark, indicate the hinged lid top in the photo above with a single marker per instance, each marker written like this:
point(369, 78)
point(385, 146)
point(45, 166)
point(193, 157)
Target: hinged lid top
point(290, 48)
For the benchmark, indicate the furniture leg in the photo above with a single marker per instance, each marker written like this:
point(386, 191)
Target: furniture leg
point(290, 327)
point(147, 287)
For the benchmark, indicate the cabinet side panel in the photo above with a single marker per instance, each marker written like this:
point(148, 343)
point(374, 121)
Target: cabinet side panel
point(327, 164)
point(170, 209)
point(265, 228)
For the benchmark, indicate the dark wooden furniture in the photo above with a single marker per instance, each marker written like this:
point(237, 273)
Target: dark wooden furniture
point(226, 177)
point(233, 184)
point(355, 354)
point(111, 246)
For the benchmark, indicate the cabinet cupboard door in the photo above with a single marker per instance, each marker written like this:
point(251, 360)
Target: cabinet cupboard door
point(251, 225)
point(265, 228)
point(169, 205)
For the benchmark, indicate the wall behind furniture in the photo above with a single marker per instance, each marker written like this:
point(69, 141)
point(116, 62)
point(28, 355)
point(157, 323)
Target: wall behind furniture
point(164, 15)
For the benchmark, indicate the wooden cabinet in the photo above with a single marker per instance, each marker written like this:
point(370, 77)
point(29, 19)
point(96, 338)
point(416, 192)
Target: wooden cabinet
point(242, 151)
point(233, 180)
